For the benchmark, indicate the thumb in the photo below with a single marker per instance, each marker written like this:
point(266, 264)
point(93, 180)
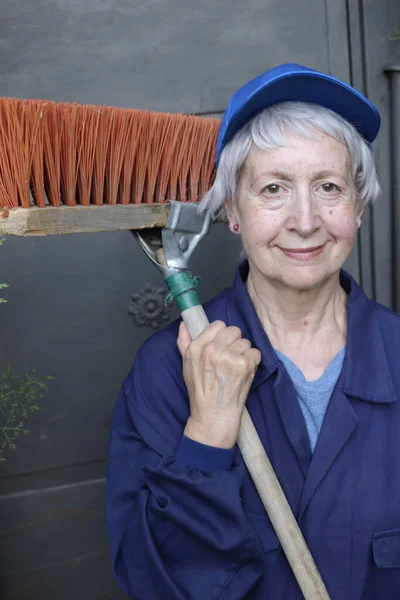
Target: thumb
point(184, 338)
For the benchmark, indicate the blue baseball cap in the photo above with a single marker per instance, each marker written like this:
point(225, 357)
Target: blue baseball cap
point(292, 82)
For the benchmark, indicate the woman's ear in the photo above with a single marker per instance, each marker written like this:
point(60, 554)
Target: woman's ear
point(233, 218)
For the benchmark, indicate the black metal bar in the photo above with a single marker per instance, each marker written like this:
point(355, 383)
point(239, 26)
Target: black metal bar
point(394, 87)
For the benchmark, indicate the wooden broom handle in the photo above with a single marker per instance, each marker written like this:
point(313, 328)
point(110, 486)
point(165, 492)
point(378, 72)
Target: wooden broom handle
point(269, 489)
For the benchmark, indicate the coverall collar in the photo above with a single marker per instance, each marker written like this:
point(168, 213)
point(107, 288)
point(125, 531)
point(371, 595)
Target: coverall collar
point(366, 374)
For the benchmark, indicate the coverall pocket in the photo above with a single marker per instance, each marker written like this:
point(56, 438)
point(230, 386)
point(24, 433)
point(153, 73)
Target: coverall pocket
point(383, 580)
point(386, 549)
point(265, 531)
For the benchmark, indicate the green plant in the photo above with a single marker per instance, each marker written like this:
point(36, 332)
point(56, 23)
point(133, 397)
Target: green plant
point(18, 399)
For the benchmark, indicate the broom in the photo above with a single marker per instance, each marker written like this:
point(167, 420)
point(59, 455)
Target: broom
point(58, 155)
point(69, 168)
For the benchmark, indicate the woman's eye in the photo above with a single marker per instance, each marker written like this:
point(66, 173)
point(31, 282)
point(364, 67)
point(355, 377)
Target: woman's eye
point(329, 187)
point(272, 188)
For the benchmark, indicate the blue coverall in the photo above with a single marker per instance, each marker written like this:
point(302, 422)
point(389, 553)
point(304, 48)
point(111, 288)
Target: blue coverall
point(184, 519)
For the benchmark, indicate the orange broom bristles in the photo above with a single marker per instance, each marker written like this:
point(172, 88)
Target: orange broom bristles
point(67, 154)
point(33, 137)
point(51, 154)
point(90, 119)
point(9, 161)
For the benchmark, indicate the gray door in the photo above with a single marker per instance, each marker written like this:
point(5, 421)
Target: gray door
point(80, 306)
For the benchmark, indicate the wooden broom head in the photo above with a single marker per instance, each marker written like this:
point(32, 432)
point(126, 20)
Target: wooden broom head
point(68, 154)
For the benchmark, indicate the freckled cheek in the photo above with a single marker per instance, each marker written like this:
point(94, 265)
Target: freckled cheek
point(260, 231)
point(342, 224)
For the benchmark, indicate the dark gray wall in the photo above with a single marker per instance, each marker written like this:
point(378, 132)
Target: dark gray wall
point(68, 297)
point(164, 54)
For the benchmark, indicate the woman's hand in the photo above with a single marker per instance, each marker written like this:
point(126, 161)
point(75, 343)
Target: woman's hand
point(218, 369)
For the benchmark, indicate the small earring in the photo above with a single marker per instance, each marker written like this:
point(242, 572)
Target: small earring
point(236, 227)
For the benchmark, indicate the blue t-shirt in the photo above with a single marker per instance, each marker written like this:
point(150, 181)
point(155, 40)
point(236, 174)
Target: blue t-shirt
point(314, 396)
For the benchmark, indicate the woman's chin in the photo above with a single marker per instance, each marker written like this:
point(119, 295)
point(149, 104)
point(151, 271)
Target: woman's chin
point(305, 277)
point(297, 275)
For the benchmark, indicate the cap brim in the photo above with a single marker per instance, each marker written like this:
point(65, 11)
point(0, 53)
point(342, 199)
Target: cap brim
point(305, 86)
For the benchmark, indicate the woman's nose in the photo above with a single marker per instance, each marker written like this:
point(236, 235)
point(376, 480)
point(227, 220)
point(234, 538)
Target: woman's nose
point(304, 217)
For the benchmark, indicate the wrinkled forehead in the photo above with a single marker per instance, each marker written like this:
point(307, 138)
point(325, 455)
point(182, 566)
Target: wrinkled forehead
point(299, 156)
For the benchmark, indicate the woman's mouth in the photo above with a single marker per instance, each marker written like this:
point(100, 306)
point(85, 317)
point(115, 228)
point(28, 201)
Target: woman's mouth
point(303, 253)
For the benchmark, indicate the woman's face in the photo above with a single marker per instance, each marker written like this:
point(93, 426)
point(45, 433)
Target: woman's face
point(297, 210)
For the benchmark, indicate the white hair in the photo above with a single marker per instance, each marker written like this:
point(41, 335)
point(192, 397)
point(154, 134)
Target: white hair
point(267, 130)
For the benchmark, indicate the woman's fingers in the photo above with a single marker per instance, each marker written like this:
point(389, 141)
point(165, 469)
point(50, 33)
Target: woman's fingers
point(216, 333)
point(240, 346)
point(184, 338)
point(220, 336)
point(256, 357)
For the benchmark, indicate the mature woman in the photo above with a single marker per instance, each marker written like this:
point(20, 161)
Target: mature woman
point(296, 341)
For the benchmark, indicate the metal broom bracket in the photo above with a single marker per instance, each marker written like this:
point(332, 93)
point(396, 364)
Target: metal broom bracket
point(185, 228)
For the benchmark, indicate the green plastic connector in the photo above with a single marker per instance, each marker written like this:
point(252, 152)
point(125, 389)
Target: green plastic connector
point(183, 288)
